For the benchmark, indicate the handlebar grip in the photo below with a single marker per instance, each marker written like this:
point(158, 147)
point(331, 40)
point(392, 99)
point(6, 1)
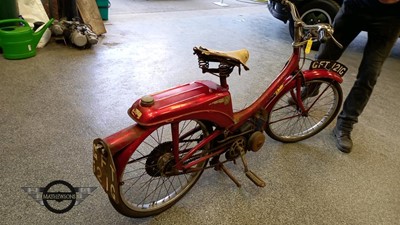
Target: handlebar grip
point(322, 36)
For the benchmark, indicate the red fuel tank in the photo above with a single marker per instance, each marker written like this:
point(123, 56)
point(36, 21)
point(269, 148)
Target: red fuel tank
point(203, 100)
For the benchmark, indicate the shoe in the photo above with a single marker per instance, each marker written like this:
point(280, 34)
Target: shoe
point(343, 140)
point(308, 91)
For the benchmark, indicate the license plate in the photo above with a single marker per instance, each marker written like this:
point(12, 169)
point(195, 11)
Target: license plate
point(104, 168)
point(329, 65)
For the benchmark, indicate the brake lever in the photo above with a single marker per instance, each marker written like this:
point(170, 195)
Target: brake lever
point(335, 41)
point(329, 31)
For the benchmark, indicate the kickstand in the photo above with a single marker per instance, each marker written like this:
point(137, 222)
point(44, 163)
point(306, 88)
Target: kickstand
point(228, 173)
point(250, 174)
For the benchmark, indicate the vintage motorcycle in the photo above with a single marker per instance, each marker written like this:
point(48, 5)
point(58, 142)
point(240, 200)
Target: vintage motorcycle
point(178, 133)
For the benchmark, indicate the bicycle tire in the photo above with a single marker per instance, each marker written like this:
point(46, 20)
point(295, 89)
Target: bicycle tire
point(287, 124)
point(145, 188)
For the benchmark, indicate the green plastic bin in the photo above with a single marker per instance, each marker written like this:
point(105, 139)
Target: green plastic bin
point(8, 9)
point(103, 5)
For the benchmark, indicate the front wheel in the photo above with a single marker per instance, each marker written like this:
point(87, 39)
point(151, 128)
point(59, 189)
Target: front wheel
point(150, 183)
point(288, 123)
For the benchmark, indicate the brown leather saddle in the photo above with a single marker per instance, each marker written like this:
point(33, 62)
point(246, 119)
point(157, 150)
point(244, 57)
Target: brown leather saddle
point(235, 58)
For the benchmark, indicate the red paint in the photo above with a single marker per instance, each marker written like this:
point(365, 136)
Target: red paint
point(202, 100)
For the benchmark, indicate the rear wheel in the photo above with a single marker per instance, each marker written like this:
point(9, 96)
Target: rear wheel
point(288, 123)
point(150, 183)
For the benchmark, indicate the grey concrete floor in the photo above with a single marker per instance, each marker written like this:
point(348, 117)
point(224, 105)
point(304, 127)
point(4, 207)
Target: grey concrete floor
point(54, 104)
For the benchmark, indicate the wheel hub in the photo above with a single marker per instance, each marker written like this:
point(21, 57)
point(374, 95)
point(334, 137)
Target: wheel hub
point(165, 163)
point(158, 157)
point(315, 16)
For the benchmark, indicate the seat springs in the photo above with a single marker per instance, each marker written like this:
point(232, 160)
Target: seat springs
point(223, 69)
point(203, 64)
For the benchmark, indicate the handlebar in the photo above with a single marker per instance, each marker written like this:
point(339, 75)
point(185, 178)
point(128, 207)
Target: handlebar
point(320, 31)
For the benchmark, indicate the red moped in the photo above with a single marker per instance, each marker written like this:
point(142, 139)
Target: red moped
point(178, 133)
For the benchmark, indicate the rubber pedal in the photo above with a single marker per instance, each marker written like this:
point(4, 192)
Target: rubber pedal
point(255, 179)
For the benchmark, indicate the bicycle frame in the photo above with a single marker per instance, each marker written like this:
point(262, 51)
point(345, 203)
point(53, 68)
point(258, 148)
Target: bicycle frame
point(201, 100)
point(215, 107)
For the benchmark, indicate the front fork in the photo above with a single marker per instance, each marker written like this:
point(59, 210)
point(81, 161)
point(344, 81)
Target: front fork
point(300, 82)
point(297, 96)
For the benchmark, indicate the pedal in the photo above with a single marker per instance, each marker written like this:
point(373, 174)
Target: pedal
point(255, 179)
point(249, 174)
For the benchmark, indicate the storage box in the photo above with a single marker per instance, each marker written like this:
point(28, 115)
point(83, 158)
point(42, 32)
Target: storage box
point(104, 12)
point(103, 5)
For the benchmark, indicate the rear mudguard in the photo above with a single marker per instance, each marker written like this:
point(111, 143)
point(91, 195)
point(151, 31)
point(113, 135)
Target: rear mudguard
point(123, 143)
point(202, 100)
point(111, 154)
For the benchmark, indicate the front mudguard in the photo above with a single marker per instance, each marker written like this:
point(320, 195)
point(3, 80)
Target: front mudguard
point(322, 74)
point(308, 75)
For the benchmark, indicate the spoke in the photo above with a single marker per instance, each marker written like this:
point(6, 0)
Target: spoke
point(288, 123)
point(161, 188)
point(155, 190)
point(146, 193)
point(147, 143)
point(138, 159)
point(140, 176)
point(185, 124)
point(135, 170)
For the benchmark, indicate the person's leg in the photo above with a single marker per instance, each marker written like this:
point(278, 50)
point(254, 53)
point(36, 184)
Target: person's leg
point(346, 27)
point(382, 35)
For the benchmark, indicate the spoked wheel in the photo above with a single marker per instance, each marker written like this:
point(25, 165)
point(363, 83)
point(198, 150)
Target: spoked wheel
point(288, 123)
point(150, 182)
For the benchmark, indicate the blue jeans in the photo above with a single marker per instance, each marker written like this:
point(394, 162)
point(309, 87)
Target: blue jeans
point(383, 32)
